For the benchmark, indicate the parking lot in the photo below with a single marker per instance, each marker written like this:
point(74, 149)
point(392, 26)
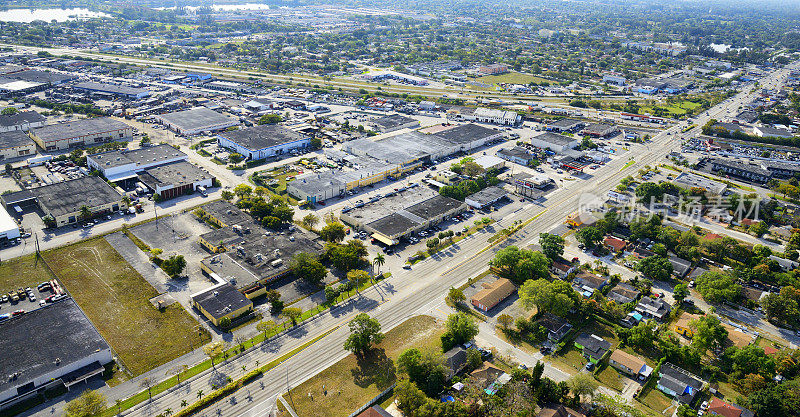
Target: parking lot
point(18, 301)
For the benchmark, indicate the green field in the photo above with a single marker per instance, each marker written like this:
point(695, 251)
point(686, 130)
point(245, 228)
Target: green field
point(116, 299)
point(351, 384)
point(25, 271)
point(513, 78)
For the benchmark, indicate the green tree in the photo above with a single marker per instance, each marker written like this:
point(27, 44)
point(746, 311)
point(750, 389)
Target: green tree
point(365, 332)
point(456, 296)
point(227, 195)
point(583, 384)
point(332, 232)
point(86, 213)
point(750, 359)
point(655, 267)
point(759, 229)
point(680, 292)
point(378, 262)
point(309, 221)
point(589, 236)
point(213, 350)
point(425, 368)
point(459, 328)
point(307, 267)
point(270, 119)
point(557, 297)
point(89, 403)
point(174, 265)
point(242, 190)
point(520, 265)
point(357, 277)
point(718, 287)
point(505, 320)
point(709, 333)
point(9, 111)
point(292, 314)
point(552, 245)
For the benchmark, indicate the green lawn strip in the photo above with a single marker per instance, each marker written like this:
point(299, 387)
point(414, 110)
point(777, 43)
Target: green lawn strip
point(246, 379)
point(472, 230)
point(628, 164)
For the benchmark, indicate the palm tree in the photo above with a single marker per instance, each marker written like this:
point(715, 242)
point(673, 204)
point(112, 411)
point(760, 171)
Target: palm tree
point(86, 213)
point(184, 403)
point(200, 394)
point(119, 406)
point(167, 412)
point(378, 261)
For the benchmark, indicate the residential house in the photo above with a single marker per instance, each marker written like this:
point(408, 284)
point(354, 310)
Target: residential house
point(375, 411)
point(556, 326)
point(614, 245)
point(680, 267)
point(594, 347)
point(588, 281)
point(492, 294)
point(630, 365)
point(486, 374)
point(785, 264)
point(455, 360)
point(560, 269)
point(559, 411)
point(623, 293)
point(678, 383)
point(717, 407)
point(654, 308)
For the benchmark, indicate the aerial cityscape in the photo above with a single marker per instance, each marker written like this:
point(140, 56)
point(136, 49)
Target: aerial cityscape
point(376, 208)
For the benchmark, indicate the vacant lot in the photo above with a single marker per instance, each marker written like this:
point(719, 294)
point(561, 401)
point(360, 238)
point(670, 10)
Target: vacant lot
point(115, 297)
point(350, 384)
point(514, 78)
point(25, 271)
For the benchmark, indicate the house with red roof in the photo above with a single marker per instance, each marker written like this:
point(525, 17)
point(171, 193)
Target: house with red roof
point(718, 407)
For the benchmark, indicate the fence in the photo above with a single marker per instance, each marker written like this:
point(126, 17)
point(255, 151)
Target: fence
point(374, 401)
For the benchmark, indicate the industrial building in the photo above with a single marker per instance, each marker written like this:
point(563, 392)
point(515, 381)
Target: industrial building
point(196, 121)
point(81, 132)
point(123, 91)
point(9, 229)
point(780, 168)
point(486, 197)
point(22, 121)
point(176, 179)
point(517, 155)
point(485, 115)
point(738, 169)
point(223, 214)
point(63, 200)
point(554, 142)
point(10, 87)
point(222, 301)
point(259, 258)
point(411, 210)
point(317, 187)
point(125, 164)
point(564, 125)
point(600, 130)
point(15, 144)
point(393, 122)
point(263, 141)
point(49, 78)
point(49, 348)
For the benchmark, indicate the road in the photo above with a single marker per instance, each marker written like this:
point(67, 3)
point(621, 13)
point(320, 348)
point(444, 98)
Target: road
point(405, 294)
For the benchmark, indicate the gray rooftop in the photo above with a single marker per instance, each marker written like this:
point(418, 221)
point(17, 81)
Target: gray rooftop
point(33, 341)
point(565, 123)
point(77, 128)
point(488, 195)
point(176, 173)
point(466, 133)
point(195, 119)
point(555, 139)
point(754, 169)
point(392, 121)
point(141, 157)
point(434, 207)
point(225, 212)
point(21, 118)
point(46, 77)
point(262, 137)
point(13, 139)
point(222, 300)
point(393, 224)
point(122, 90)
point(68, 196)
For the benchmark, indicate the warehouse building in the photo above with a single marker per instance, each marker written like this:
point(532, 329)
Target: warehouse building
point(393, 122)
point(565, 125)
point(517, 155)
point(22, 121)
point(63, 200)
point(738, 169)
point(15, 144)
point(50, 78)
point(10, 87)
point(263, 141)
point(259, 258)
point(467, 137)
point(9, 229)
point(223, 214)
point(196, 121)
point(222, 301)
point(317, 187)
point(780, 168)
point(123, 91)
point(125, 164)
point(81, 132)
point(485, 115)
point(554, 142)
point(486, 197)
point(176, 179)
point(600, 130)
point(56, 347)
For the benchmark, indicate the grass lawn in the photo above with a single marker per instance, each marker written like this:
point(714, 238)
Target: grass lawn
point(116, 299)
point(351, 384)
point(265, 179)
point(570, 362)
point(513, 78)
point(25, 271)
point(657, 401)
point(610, 378)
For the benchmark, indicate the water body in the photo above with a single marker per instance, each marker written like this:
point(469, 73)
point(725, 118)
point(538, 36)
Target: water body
point(60, 15)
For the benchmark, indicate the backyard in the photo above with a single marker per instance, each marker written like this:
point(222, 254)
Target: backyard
point(116, 299)
point(350, 384)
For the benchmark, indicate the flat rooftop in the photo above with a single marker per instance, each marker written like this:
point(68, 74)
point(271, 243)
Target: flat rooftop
point(196, 119)
point(488, 195)
point(393, 120)
point(176, 173)
point(122, 90)
point(467, 133)
point(21, 118)
point(565, 123)
point(226, 212)
point(393, 224)
point(222, 300)
point(555, 139)
point(33, 341)
point(150, 155)
point(78, 128)
point(371, 212)
point(262, 137)
point(68, 196)
point(315, 183)
point(13, 139)
point(45, 77)
point(434, 207)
